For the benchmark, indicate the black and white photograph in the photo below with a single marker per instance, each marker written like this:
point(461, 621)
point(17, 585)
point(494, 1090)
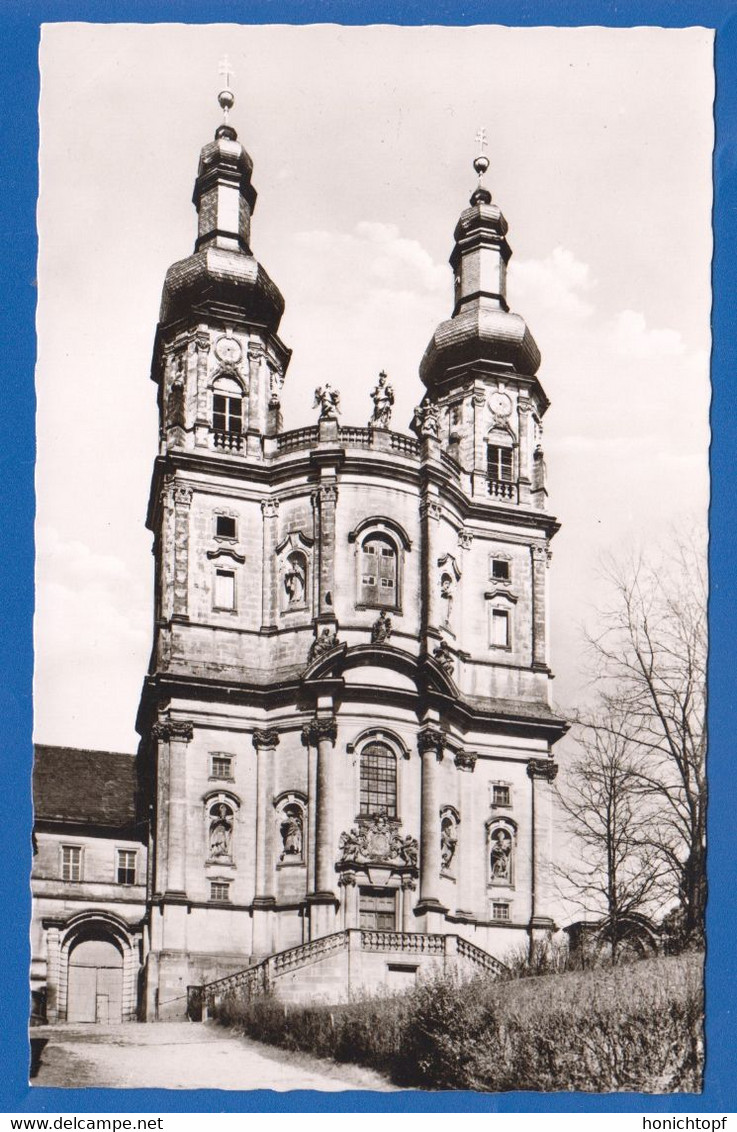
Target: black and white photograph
point(372, 483)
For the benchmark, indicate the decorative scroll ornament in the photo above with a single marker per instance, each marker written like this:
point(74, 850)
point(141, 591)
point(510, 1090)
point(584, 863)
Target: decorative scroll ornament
point(425, 420)
point(383, 397)
point(431, 739)
point(542, 768)
point(465, 760)
point(320, 727)
point(381, 630)
point(327, 400)
point(269, 738)
point(326, 642)
point(378, 840)
point(173, 729)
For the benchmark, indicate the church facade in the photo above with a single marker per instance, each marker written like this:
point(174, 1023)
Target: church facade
point(346, 727)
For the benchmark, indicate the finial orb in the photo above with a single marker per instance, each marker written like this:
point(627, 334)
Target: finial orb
point(481, 164)
point(226, 98)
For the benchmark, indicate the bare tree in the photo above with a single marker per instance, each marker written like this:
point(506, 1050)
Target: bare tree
point(614, 870)
point(650, 659)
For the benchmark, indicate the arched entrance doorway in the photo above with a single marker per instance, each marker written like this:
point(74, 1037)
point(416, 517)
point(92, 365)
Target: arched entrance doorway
point(95, 991)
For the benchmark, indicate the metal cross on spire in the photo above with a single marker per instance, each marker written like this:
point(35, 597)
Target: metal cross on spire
point(481, 161)
point(226, 98)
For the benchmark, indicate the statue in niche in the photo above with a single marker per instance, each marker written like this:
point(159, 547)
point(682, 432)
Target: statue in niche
point(383, 398)
point(448, 842)
point(501, 856)
point(381, 630)
point(295, 578)
point(425, 420)
point(221, 830)
point(291, 830)
point(326, 642)
point(539, 470)
point(176, 398)
point(446, 596)
point(327, 400)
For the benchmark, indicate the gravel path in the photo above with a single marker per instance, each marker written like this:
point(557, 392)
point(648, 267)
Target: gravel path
point(184, 1055)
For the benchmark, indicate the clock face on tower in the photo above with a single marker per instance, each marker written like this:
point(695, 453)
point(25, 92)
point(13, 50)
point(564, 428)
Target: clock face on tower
point(228, 351)
point(500, 404)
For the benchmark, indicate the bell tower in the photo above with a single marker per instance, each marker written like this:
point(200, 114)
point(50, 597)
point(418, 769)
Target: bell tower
point(480, 366)
point(218, 361)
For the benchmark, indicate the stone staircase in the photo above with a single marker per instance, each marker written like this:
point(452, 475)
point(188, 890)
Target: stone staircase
point(336, 966)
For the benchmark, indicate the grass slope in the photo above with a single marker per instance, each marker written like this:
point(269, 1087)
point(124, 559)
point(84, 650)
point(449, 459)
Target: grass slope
point(631, 1028)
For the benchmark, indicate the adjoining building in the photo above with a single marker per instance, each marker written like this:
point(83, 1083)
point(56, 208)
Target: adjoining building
point(346, 727)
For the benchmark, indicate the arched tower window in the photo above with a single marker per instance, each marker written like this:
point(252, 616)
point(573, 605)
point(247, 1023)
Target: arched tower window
point(378, 780)
point(227, 413)
point(379, 574)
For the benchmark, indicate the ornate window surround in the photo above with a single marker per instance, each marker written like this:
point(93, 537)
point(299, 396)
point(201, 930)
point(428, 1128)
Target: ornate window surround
point(380, 527)
point(398, 748)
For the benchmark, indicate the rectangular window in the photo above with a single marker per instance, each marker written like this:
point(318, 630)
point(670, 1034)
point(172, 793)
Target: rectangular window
point(221, 766)
point(500, 637)
point(499, 911)
point(71, 862)
point(225, 526)
point(500, 463)
point(377, 909)
point(224, 589)
point(500, 795)
point(126, 866)
point(500, 571)
point(226, 414)
point(219, 890)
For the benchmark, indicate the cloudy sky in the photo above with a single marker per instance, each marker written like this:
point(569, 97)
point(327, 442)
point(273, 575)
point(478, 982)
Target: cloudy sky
point(362, 141)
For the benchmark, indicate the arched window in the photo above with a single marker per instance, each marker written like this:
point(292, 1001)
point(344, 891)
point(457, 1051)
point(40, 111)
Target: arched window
point(227, 413)
point(378, 780)
point(379, 575)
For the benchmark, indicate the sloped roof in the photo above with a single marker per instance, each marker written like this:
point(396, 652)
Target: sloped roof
point(94, 787)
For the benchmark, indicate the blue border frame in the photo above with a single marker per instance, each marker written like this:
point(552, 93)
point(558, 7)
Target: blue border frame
point(19, 90)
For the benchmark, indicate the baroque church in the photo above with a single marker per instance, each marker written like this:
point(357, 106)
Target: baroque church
point(344, 777)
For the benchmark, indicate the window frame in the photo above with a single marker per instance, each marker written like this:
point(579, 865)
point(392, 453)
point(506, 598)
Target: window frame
point(501, 786)
point(119, 868)
point(376, 893)
point(220, 571)
point(370, 810)
point(500, 560)
point(79, 850)
point(367, 600)
point(504, 453)
point(499, 612)
point(220, 899)
point(220, 516)
point(501, 905)
point(223, 757)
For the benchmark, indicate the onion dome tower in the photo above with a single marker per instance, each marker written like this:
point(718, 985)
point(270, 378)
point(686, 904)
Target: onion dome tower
point(480, 366)
point(220, 298)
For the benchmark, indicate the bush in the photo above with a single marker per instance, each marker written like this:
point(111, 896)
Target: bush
point(635, 1028)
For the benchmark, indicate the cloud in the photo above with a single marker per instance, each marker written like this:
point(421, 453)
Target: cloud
point(556, 284)
point(374, 255)
point(630, 336)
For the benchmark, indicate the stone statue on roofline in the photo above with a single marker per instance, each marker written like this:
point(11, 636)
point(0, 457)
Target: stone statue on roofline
point(383, 398)
point(327, 400)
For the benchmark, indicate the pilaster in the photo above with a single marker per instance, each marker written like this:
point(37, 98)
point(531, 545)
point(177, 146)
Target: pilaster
point(542, 774)
point(264, 902)
point(540, 558)
point(430, 743)
point(270, 514)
